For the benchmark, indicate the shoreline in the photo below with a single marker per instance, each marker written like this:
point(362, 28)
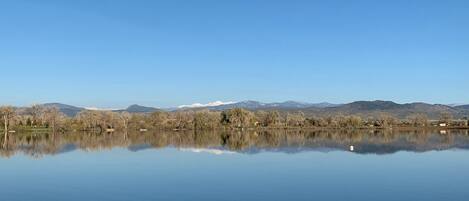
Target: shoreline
point(396, 128)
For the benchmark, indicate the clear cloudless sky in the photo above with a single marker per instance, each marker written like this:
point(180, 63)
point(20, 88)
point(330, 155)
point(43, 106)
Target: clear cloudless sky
point(112, 53)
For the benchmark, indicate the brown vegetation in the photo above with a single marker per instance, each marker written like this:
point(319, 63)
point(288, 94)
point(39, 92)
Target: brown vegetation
point(40, 117)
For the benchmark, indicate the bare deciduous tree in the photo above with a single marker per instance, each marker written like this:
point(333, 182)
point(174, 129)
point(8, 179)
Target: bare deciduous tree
point(37, 113)
point(7, 113)
point(237, 117)
point(418, 120)
point(53, 117)
point(206, 120)
point(295, 119)
point(125, 118)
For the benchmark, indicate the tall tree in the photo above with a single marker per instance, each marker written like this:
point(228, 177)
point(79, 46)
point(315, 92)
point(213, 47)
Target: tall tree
point(295, 119)
point(7, 113)
point(418, 120)
point(159, 119)
point(237, 117)
point(206, 119)
point(37, 113)
point(125, 118)
point(53, 117)
point(88, 120)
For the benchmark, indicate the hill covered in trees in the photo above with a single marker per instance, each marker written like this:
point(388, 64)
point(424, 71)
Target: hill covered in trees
point(462, 107)
point(376, 108)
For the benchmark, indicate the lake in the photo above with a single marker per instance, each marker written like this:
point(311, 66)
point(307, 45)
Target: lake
point(227, 165)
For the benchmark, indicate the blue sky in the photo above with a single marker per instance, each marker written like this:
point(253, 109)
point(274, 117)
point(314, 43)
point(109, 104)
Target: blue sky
point(168, 53)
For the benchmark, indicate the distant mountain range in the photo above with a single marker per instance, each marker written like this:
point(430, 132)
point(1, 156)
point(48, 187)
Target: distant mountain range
point(70, 110)
point(361, 108)
point(256, 105)
point(376, 108)
point(463, 107)
point(139, 109)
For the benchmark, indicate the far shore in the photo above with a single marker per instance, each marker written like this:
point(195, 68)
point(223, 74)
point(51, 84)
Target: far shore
point(395, 128)
point(50, 119)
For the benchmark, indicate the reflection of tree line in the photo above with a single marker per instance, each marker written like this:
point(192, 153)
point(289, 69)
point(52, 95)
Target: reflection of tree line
point(378, 141)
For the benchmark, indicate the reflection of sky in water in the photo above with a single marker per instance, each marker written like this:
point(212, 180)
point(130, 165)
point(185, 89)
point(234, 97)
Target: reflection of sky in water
point(172, 174)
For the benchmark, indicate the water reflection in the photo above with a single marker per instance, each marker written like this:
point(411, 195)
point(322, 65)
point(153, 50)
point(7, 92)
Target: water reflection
point(248, 142)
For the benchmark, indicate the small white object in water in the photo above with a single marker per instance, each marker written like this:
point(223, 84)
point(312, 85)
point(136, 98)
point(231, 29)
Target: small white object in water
point(352, 148)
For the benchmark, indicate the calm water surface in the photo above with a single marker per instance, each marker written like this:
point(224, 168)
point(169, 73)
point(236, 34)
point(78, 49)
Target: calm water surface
point(236, 166)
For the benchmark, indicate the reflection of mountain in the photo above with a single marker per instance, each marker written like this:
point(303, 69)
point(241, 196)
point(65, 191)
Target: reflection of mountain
point(208, 150)
point(139, 147)
point(364, 142)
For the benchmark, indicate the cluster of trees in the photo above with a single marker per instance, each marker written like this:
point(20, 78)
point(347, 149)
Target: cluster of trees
point(36, 116)
point(102, 121)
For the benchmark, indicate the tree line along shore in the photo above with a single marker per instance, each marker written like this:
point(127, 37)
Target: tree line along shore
point(49, 119)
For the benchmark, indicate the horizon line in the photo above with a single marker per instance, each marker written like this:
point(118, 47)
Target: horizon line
point(220, 103)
